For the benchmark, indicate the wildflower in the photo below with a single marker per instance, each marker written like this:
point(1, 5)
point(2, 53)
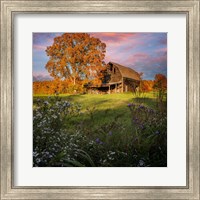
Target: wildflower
point(141, 163)
point(129, 105)
point(38, 160)
point(97, 140)
point(54, 116)
point(141, 106)
point(35, 154)
point(157, 132)
point(134, 156)
point(66, 104)
point(142, 127)
point(46, 103)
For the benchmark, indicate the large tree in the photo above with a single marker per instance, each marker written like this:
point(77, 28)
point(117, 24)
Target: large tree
point(76, 56)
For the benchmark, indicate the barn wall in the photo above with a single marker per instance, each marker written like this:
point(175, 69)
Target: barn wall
point(115, 74)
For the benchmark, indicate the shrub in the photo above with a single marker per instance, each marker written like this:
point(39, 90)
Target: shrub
point(49, 134)
point(150, 130)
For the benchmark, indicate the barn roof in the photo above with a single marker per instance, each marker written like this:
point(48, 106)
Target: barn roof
point(126, 71)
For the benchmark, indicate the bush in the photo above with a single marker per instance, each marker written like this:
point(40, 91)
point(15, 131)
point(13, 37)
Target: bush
point(150, 130)
point(49, 134)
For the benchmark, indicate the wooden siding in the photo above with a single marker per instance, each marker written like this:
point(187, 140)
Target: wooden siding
point(115, 75)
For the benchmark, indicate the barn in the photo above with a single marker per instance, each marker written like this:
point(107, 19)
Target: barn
point(118, 79)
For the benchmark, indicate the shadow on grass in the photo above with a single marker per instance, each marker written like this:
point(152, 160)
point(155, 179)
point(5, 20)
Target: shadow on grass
point(112, 129)
point(99, 117)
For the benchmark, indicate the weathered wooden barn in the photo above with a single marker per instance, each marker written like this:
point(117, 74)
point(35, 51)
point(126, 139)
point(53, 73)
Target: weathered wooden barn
point(118, 79)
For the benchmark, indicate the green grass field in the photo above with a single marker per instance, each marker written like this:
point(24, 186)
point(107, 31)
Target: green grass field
point(106, 129)
point(105, 108)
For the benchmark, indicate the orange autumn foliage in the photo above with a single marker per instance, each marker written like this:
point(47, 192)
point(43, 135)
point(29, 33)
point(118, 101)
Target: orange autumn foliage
point(76, 58)
point(56, 87)
point(160, 82)
point(160, 85)
point(146, 85)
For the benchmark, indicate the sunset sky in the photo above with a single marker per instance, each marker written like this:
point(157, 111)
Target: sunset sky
point(143, 52)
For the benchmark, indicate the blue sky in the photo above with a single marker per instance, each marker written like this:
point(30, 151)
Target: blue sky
point(143, 52)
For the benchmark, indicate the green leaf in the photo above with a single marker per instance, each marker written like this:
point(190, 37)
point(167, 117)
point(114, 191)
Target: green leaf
point(75, 163)
point(86, 156)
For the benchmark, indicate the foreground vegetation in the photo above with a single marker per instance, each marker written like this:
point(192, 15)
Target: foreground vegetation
point(117, 130)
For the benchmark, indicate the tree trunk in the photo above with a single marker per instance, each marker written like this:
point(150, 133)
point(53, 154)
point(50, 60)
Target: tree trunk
point(74, 81)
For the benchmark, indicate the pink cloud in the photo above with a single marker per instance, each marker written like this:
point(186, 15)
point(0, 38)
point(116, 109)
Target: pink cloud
point(119, 45)
point(113, 36)
point(141, 56)
point(39, 47)
point(159, 59)
point(145, 59)
point(44, 73)
point(133, 59)
point(41, 76)
point(117, 39)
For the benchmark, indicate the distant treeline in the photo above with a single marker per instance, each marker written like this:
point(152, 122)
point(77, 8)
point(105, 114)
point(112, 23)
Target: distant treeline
point(56, 86)
point(63, 87)
point(146, 85)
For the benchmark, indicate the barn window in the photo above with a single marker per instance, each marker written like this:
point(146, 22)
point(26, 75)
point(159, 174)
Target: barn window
point(114, 70)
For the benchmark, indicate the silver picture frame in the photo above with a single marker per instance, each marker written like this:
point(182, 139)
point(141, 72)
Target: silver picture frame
point(8, 11)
